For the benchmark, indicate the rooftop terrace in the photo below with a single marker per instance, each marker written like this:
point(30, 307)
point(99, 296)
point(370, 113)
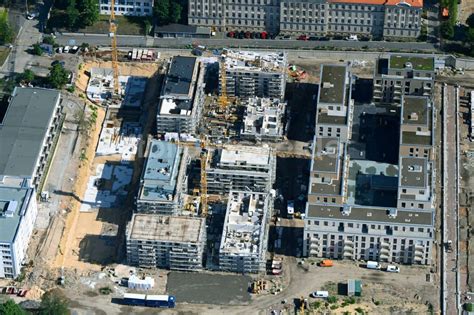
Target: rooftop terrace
point(416, 110)
point(242, 155)
point(413, 172)
point(180, 76)
point(326, 155)
point(256, 61)
point(417, 63)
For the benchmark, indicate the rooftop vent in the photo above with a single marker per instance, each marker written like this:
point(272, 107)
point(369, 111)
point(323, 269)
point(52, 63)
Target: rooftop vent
point(392, 213)
point(9, 209)
point(346, 210)
point(413, 116)
point(415, 168)
point(408, 65)
point(327, 85)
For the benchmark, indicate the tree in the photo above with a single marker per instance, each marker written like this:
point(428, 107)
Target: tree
point(447, 29)
point(470, 20)
point(89, 11)
point(470, 35)
point(53, 303)
point(49, 40)
point(6, 31)
point(175, 12)
point(27, 76)
point(58, 76)
point(72, 14)
point(37, 50)
point(11, 308)
point(162, 11)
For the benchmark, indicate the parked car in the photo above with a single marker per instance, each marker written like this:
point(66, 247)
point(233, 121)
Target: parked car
point(58, 62)
point(231, 34)
point(313, 38)
point(353, 38)
point(319, 294)
point(66, 49)
point(392, 268)
point(373, 265)
point(303, 37)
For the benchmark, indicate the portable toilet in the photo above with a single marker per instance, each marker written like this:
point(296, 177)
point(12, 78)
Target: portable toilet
point(354, 287)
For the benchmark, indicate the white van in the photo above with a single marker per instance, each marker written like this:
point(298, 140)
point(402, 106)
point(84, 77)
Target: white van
point(319, 294)
point(353, 38)
point(392, 268)
point(373, 265)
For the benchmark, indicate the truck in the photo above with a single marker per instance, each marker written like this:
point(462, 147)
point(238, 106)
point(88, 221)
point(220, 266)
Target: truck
point(168, 301)
point(373, 265)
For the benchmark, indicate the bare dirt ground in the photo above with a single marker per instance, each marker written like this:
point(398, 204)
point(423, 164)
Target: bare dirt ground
point(466, 8)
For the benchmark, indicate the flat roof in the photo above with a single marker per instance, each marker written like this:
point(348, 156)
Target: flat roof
point(370, 214)
point(15, 199)
point(24, 128)
point(161, 170)
point(417, 63)
point(244, 224)
point(413, 171)
point(243, 154)
point(411, 137)
point(333, 84)
point(180, 76)
point(326, 157)
point(416, 110)
point(164, 228)
point(332, 188)
point(325, 119)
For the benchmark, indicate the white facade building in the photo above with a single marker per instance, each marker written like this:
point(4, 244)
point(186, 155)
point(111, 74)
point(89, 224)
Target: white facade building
point(128, 7)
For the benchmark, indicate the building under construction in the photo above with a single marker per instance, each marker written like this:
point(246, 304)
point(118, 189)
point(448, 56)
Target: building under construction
point(182, 97)
point(241, 168)
point(163, 178)
point(245, 235)
point(170, 242)
point(250, 74)
point(263, 119)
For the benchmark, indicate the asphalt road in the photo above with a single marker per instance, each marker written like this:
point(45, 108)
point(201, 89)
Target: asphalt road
point(128, 41)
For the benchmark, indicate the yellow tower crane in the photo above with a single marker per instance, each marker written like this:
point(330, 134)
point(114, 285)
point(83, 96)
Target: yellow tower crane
point(223, 101)
point(113, 34)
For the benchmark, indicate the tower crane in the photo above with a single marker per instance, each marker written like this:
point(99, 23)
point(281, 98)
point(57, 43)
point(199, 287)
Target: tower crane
point(204, 157)
point(113, 35)
point(222, 100)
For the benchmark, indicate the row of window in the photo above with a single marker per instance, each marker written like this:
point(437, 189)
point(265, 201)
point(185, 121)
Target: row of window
point(364, 225)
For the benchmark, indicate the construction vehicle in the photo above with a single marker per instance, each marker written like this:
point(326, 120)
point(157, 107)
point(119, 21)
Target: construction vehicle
point(113, 35)
point(302, 302)
point(326, 263)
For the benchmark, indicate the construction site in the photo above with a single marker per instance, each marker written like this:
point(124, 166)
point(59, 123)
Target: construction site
point(202, 165)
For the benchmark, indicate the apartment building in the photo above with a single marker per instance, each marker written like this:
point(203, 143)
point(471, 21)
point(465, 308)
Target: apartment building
point(127, 7)
point(18, 210)
point(182, 96)
point(400, 75)
point(241, 168)
point(369, 233)
point(163, 178)
point(364, 204)
point(249, 74)
point(169, 242)
point(245, 234)
point(263, 119)
point(334, 113)
point(28, 127)
point(374, 18)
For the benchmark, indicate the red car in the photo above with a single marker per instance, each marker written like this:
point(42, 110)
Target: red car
point(303, 37)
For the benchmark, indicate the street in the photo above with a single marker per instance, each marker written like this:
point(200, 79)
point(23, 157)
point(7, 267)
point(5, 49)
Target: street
point(142, 41)
point(450, 201)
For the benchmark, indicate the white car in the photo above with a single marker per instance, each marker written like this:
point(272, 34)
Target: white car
point(66, 49)
point(392, 268)
point(319, 294)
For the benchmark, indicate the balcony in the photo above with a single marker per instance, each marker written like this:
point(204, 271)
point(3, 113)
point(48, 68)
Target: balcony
point(349, 249)
point(385, 245)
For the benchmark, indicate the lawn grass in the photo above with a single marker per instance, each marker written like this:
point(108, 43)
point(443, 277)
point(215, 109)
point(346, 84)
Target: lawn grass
point(4, 52)
point(418, 63)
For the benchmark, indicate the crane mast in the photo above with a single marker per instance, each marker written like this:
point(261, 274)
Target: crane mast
point(113, 35)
